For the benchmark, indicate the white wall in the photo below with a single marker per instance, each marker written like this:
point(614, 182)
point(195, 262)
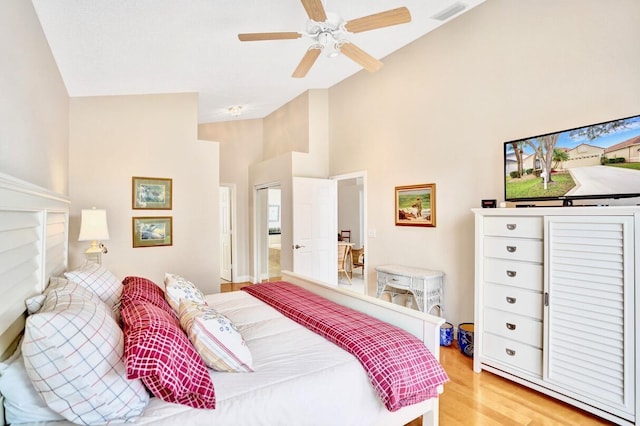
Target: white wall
point(115, 138)
point(441, 108)
point(34, 105)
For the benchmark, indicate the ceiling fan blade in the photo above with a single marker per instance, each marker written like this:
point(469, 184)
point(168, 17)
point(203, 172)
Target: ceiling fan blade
point(391, 17)
point(269, 36)
point(306, 63)
point(315, 10)
point(358, 55)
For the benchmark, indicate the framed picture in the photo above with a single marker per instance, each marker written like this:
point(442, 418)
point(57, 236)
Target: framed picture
point(416, 205)
point(152, 231)
point(151, 193)
point(274, 213)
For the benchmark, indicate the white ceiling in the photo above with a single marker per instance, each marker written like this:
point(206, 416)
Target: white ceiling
point(120, 47)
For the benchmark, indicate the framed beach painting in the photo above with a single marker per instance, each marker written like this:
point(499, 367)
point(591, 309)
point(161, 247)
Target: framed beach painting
point(152, 231)
point(151, 193)
point(416, 205)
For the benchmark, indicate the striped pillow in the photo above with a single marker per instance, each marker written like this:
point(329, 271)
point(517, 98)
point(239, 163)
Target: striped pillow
point(215, 337)
point(72, 352)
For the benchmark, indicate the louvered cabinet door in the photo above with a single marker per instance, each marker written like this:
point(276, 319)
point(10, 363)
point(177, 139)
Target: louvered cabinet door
point(589, 315)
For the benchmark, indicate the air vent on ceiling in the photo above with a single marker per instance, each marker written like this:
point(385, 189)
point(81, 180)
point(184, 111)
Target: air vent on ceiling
point(450, 11)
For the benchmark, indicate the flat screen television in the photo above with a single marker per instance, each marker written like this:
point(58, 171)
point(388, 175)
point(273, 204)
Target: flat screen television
point(599, 161)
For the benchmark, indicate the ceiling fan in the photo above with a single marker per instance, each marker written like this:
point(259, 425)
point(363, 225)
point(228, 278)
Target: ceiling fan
point(330, 31)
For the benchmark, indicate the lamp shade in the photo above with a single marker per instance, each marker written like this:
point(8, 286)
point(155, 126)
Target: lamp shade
point(93, 225)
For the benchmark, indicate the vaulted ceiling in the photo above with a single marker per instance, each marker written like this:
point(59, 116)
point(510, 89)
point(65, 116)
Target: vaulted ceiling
point(121, 47)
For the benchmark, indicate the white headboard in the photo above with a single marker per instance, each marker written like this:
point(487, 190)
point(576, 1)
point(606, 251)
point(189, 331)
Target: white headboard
point(34, 228)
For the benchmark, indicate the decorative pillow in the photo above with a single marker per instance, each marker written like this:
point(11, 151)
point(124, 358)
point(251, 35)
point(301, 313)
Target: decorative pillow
point(99, 280)
point(34, 303)
point(61, 287)
point(176, 289)
point(158, 352)
point(72, 351)
point(215, 337)
point(141, 290)
point(22, 403)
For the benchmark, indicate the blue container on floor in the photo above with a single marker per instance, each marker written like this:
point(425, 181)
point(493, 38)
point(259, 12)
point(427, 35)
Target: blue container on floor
point(446, 334)
point(465, 338)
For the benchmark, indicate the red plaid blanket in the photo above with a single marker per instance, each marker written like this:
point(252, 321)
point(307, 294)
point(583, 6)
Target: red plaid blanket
point(400, 367)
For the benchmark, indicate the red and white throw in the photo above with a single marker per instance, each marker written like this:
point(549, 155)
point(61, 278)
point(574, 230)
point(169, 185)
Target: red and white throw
point(400, 367)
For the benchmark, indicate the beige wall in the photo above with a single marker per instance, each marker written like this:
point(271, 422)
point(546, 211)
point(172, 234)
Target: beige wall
point(240, 145)
point(287, 129)
point(117, 137)
point(441, 108)
point(34, 106)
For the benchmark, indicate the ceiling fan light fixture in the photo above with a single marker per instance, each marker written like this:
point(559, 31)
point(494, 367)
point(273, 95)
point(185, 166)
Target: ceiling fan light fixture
point(235, 110)
point(326, 30)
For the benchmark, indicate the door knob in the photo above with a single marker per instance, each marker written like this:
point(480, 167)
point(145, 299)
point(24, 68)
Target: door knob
point(298, 246)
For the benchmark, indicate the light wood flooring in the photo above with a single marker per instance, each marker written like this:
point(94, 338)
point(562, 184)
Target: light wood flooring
point(472, 399)
point(486, 399)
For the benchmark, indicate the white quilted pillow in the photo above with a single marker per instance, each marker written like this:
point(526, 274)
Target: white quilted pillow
point(99, 280)
point(177, 289)
point(73, 354)
point(215, 338)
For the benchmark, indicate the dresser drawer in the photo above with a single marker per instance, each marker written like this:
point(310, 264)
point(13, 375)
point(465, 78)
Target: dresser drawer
point(513, 327)
point(514, 226)
point(519, 274)
point(513, 248)
point(512, 353)
point(514, 300)
point(394, 280)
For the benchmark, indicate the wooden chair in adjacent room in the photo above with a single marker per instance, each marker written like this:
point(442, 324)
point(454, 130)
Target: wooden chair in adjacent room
point(344, 259)
point(357, 256)
point(345, 235)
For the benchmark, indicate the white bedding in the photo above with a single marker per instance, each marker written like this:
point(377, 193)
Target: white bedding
point(309, 378)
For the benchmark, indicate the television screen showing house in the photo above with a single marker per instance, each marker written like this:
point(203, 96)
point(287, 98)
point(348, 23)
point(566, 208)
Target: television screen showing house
point(597, 160)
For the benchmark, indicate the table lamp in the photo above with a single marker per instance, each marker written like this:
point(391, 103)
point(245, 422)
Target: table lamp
point(93, 227)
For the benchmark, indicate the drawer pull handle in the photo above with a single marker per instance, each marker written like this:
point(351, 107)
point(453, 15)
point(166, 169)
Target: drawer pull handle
point(511, 273)
point(511, 226)
point(511, 300)
point(511, 249)
point(511, 326)
point(510, 352)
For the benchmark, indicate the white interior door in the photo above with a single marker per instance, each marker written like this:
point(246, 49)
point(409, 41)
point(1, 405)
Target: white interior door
point(315, 239)
point(225, 233)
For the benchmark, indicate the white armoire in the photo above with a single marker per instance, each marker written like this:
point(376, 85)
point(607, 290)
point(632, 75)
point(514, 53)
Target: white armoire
point(556, 305)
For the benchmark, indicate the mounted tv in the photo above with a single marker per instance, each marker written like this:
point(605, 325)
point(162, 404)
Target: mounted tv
point(599, 161)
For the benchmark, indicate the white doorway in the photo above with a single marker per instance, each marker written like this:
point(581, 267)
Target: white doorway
point(268, 231)
point(226, 195)
point(315, 248)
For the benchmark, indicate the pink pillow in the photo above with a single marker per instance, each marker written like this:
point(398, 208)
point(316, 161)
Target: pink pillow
point(157, 351)
point(140, 290)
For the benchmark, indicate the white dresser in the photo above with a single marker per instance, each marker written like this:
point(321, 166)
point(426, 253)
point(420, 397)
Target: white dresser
point(555, 303)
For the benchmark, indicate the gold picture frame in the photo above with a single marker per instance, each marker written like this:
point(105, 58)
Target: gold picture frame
point(151, 193)
point(152, 231)
point(416, 205)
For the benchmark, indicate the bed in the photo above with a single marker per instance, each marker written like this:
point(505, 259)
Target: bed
point(322, 384)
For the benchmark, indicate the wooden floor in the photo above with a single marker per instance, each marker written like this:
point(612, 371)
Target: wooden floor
point(486, 399)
